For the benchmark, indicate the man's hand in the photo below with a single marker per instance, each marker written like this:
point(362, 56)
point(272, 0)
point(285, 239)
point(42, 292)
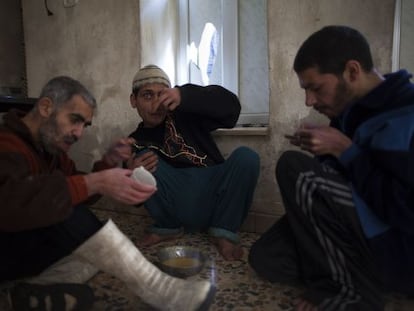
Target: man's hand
point(320, 140)
point(118, 184)
point(148, 160)
point(118, 152)
point(169, 100)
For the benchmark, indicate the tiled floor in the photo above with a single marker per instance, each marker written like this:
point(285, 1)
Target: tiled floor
point(238, 288)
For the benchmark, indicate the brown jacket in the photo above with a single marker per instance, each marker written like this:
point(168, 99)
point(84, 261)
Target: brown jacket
point(37, 189)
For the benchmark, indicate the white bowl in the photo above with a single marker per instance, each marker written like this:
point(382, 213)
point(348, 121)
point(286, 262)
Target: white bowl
point(141, 175)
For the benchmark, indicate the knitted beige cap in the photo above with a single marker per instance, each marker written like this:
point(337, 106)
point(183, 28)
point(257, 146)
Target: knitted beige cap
point(150, 74)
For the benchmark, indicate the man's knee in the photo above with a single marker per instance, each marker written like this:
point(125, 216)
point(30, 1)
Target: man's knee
point(291, 163)
point(246, 157)
point(81, 225)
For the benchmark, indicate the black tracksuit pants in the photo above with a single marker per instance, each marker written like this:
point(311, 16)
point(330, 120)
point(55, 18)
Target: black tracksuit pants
point(319, 241)
point(27, 253)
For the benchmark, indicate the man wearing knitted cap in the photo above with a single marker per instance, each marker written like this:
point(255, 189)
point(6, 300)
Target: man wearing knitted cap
point(197, 188)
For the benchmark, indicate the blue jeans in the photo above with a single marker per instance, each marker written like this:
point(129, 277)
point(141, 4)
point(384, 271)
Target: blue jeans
point(215, 198)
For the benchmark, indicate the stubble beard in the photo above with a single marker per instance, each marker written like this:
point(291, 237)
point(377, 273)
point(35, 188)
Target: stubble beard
point(343, 97)
point(48, 134)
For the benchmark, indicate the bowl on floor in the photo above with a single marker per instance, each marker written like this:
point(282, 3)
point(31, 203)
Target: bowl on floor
point(181, 261)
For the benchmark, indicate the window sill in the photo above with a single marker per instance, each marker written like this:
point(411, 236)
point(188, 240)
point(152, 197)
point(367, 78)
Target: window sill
point(243, 131)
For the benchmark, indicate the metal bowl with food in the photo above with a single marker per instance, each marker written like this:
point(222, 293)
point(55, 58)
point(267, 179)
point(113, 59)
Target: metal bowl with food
point(181, 261)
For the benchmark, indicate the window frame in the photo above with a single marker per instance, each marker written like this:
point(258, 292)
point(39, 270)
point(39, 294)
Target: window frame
point(228, 43)
point(254, 93)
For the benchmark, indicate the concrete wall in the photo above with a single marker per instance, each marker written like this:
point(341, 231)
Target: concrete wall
point(12, 74)
point(406, 39)
point(96, 41)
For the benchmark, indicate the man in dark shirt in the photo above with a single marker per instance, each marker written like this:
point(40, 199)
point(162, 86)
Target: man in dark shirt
point(348, 232)
point(197, 188)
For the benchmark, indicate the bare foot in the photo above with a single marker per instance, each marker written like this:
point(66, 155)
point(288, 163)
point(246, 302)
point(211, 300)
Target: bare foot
point(227, 249)
point(304, 305)
point(152, 238)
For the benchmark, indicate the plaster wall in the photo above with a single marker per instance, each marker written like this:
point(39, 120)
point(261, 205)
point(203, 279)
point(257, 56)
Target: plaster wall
point(12, 76)
point(406, 41)
point(96, 41)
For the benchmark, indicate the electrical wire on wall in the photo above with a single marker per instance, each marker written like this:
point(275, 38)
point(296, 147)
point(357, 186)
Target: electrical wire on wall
point(49, 13)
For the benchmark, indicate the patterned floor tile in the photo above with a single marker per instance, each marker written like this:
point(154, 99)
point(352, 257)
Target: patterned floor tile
point(238, 287)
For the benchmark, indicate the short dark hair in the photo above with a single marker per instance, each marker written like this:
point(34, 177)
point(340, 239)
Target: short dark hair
point(62, 88)
point(330, 48)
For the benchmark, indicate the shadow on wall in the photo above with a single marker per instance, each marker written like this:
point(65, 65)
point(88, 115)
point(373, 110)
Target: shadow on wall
point(92, 145)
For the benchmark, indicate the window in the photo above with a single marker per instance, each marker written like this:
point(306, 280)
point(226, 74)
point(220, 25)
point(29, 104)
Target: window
point(403, 45)
point(212, 42)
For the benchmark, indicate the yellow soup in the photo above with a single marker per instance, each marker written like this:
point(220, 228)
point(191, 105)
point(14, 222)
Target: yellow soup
point(182, 262)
